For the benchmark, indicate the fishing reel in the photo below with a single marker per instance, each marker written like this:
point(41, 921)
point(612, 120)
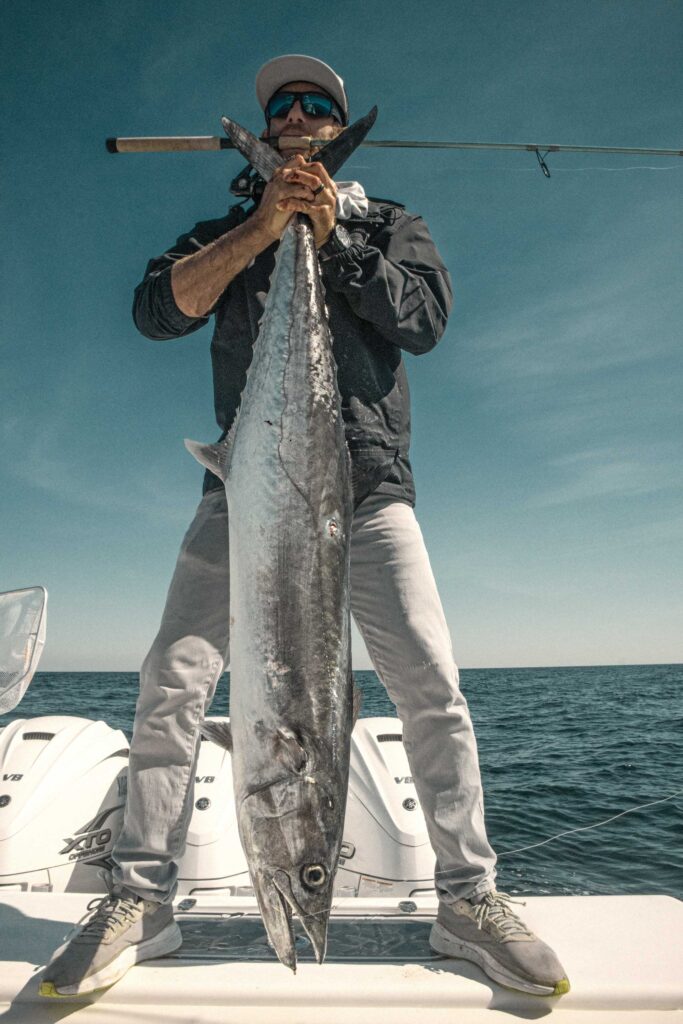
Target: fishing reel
point(248, 184)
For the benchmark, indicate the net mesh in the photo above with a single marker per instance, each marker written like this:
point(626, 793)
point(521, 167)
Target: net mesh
point(22, 636)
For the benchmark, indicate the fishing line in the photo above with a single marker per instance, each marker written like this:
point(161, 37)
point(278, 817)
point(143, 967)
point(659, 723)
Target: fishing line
point(507, 169)
point(614, 170)
point(544, 842)
point(583, 828)
point(586, 828)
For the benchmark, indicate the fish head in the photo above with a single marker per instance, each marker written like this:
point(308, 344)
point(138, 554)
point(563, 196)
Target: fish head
point(291, 833)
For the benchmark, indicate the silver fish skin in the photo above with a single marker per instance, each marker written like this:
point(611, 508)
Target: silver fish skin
point(287, 479)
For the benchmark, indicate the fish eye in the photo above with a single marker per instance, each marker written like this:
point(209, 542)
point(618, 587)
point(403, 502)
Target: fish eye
point(313, 876)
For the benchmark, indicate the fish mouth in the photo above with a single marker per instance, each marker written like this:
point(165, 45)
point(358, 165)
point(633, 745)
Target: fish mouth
point(277, 918)
point(315, 925)
point(277, 903)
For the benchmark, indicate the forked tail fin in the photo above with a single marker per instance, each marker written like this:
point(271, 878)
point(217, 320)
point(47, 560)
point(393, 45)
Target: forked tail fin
point(266, 160)
point(262, 157)
point(337, 152)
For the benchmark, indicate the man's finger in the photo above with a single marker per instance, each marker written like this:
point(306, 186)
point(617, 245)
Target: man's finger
point(294, 191)
point(294, 174)
point(319, 204)
point(314, 171)
point(292, 203)
point(321, 172)
point(299, 192)
point(301, 206)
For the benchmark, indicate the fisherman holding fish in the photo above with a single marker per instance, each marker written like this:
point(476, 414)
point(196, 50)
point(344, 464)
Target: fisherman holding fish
point(387, 292)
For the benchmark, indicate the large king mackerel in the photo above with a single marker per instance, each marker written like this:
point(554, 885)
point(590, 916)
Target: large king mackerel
point(286, 470)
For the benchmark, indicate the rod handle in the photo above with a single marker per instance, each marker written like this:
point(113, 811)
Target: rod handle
point(166, 144)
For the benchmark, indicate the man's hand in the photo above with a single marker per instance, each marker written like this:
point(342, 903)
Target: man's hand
point(298, 187)
point(321, 204)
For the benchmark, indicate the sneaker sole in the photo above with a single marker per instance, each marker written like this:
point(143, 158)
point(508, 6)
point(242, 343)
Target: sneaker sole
point(443, 941)
point(167, 941)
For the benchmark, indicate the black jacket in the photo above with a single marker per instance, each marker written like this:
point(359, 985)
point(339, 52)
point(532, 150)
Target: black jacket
point(388, 292)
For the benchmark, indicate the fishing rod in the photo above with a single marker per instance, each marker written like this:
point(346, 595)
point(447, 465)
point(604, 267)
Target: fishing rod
point(203, 143)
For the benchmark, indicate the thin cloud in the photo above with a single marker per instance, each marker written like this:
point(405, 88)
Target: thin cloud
point(45, 463)
point(593, 326)
point(612, 308)
point(610, 472)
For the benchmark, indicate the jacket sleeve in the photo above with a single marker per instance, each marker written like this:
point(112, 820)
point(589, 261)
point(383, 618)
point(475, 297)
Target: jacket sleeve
point(399, 284)
point(155, 311)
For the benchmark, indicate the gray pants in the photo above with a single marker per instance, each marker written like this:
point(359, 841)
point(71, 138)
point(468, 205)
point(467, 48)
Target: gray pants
point(396, 606)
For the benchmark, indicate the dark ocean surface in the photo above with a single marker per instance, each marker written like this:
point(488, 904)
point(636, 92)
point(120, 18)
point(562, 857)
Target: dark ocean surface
point(560, 749)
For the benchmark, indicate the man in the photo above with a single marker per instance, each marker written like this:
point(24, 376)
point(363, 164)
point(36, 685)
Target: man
point(387, 292)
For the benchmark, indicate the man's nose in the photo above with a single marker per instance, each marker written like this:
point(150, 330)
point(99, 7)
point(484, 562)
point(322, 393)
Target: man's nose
point(296, 112)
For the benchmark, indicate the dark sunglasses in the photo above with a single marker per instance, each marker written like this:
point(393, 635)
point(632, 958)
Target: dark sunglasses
point(315, 104)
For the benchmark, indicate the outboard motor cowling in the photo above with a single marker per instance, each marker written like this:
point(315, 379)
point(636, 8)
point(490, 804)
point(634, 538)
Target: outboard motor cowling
point(213, 861)
point(62, 794)
point(386, 849)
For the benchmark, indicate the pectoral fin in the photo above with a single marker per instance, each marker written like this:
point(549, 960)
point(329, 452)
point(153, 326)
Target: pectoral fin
point(289, 750)
point(218, 732)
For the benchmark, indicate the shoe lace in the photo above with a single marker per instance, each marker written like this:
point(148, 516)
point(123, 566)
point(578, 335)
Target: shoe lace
point(494, 907)
point(107, 913)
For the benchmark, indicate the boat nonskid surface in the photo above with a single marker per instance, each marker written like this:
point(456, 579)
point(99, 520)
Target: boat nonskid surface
point(622, 954)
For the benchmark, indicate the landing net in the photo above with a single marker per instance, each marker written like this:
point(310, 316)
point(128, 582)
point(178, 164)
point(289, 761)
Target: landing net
point(22, 636)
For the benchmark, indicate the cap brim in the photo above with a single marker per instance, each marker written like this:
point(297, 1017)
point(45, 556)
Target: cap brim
point(297, 67)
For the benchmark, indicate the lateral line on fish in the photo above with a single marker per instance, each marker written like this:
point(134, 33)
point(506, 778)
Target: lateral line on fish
point(299, 222)
point(308, 504)
point(286, 779)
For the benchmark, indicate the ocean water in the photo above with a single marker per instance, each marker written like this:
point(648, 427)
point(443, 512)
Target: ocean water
point(560, 749)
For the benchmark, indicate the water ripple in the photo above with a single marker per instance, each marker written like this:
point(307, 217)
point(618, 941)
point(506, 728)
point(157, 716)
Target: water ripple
point(560, 749)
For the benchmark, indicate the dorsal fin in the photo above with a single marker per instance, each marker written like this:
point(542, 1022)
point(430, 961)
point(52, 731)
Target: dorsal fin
point(357, 702)
point(219, 732)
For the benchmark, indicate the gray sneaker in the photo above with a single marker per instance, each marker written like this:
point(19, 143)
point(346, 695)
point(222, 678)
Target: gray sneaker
point(121, 931)
point(492, 936)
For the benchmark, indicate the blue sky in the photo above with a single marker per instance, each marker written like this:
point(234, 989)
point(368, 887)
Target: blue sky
point(547, 423)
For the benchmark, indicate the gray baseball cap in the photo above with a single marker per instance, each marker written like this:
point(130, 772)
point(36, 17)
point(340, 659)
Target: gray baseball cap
point(297, 67)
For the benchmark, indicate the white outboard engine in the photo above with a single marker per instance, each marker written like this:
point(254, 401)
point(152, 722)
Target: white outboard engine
point(386, 850)
point(62, 793)
point(213, 861)
point(63, 786)
point(62, 796)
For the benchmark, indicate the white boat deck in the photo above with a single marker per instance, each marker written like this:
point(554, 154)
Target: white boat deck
point(623, 954)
